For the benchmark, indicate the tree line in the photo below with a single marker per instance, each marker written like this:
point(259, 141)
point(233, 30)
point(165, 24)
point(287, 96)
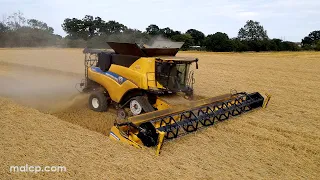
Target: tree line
point(252, 37)
point(16, 31)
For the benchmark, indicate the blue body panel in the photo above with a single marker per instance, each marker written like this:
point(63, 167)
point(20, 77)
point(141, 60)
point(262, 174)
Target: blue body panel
point(119, 79)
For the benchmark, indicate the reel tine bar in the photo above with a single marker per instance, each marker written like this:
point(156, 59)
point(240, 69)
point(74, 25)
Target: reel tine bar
point(179, 124)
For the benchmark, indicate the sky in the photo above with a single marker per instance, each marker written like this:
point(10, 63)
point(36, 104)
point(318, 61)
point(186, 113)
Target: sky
point(290, 20)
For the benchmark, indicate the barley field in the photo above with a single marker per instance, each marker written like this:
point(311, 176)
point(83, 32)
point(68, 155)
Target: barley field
point(44, 120)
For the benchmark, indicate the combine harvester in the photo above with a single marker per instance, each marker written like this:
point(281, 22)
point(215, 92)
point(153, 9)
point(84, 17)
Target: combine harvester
point(135, 79)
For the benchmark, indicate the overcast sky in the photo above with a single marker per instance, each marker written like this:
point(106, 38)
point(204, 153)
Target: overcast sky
point(286, 19)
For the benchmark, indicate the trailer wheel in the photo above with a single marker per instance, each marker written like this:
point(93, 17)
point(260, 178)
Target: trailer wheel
point(98, 102)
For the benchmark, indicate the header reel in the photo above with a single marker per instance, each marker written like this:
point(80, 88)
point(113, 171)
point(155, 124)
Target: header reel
point(152, 129)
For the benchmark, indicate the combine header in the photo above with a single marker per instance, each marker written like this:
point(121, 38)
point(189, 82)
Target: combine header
point(135, 79)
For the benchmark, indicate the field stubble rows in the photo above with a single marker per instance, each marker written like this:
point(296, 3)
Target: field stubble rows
point(281, 141)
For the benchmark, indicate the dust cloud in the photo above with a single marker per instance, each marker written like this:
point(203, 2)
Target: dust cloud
point(43, 89)
point(162, 42)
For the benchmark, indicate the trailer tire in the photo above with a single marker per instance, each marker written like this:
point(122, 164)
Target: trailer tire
point(98, 102)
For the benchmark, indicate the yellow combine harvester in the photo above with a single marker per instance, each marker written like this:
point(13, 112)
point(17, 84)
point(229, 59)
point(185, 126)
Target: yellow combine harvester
point(135, 79)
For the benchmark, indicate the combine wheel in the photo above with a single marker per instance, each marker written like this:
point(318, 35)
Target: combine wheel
point(140, 104)
point(98, 102)
point(122, 114)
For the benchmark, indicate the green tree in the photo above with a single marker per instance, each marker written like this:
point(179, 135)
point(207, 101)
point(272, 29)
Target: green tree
point(238, 45)
point(99, 23)
point(36, 24)
point(186, 38)
point(88, 27)
point(276, 45)
point(74, 28)
point(16, 21)
point(289, 46)
point(3, 33)
point(169, 33)
point(197, 36)
point(218, 42)
point(311, 39)
point(153, 30)
point(252, 31)
point(112, 27)
point(3, 28)
point(317, 46)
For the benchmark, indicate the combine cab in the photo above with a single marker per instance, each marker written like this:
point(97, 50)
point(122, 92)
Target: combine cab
point(135, 79)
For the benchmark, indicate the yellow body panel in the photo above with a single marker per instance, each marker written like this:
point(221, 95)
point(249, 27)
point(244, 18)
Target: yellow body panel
point(115, 90)
point(161, 104)
point(115, 134)
point(128, 73)
point(141, 75)
point(145, 67)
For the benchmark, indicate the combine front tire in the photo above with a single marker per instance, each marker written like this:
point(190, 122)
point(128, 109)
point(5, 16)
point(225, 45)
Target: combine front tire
point(140, 104)
point(98, 102)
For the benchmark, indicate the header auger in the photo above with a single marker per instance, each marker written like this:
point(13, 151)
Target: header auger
point(135, 79)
